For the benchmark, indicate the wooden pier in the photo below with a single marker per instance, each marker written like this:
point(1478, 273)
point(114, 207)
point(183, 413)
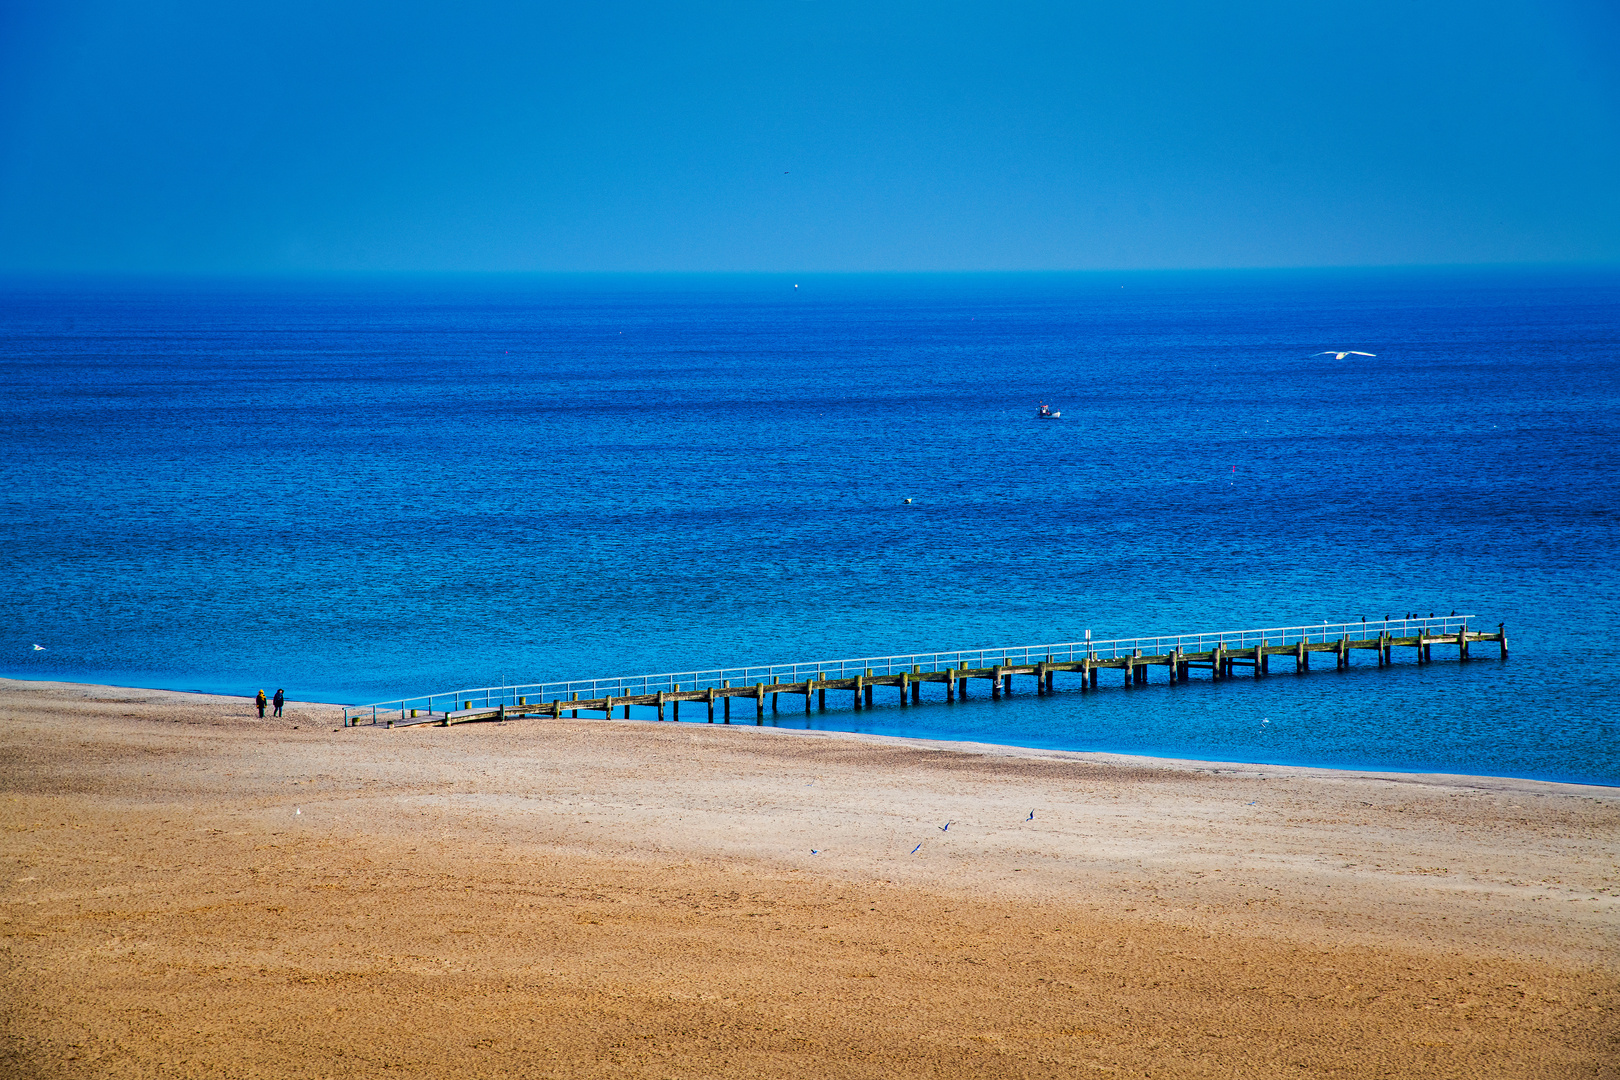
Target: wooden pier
point(711, 694)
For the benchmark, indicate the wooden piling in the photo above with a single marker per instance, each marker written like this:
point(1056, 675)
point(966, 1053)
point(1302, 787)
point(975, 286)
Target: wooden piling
point(905, 687)
point(1501, 630)
point(916, 684)
point(950, 684)
point(711, 704)
point(869, 688)
point(660, 706)
point(727, 705)
point(858, 681)
point(995, 681)
point(821, 677)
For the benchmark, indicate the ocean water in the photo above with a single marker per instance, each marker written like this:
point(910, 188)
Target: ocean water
point(362, 489)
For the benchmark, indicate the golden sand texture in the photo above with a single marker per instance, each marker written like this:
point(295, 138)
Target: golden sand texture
point(190, 891)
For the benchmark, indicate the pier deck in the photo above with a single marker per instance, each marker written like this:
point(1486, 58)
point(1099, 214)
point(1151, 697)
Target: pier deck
point(1221, 654)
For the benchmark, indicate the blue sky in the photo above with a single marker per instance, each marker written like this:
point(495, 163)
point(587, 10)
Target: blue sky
point(804, 135)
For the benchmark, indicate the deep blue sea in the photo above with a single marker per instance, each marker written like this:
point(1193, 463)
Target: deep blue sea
point(361, 489)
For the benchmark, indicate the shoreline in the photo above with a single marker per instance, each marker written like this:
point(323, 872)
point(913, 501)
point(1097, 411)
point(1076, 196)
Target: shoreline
point(1481, 780)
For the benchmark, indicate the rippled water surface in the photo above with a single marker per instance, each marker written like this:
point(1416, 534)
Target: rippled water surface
point(358, 490)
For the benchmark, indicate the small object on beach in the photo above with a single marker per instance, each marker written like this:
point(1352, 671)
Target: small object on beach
point(41, 648)
point(1253, 804)
point(1031, 816)
point(813, 851)
point(916, 849)
point(296, 811)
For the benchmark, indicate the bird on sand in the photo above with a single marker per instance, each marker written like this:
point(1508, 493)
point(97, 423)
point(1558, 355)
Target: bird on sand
point(1342, 355)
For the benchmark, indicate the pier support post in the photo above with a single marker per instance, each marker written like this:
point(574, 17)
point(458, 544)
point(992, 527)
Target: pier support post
point(858, 681)
point(995, 681)
point(821, 695)
point(727, 706)
point(1139, 671)
point(1462, 644)
point(759, 704)
point(868, 689)
point(916, 684)
point(950, 684)
point(809, 684)
point(905, 687)
point(711, 704)
point(660, 706)
point(1501, 636)
point(1217, 662)
point(1262, 662)
point(573, 714)
point(1302, 659)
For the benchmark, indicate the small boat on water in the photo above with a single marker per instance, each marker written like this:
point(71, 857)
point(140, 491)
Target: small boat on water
point(1047, 413)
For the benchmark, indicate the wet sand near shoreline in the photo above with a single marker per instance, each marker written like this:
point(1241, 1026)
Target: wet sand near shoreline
point(190, 891)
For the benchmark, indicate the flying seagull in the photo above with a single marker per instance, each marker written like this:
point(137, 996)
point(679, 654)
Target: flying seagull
point(916, 849)
point(39, 648)
point(1031, 816)
point(1342, 355)
point(945, 827)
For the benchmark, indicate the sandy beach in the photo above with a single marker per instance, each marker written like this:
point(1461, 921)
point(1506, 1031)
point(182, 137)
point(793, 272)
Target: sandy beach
point(192, 891)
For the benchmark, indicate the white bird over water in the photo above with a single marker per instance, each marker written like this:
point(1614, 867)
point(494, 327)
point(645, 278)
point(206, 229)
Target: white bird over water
point(1342, 355)
point(39, 648)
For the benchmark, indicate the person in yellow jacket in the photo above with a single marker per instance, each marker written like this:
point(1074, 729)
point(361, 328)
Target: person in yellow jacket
point(260, 702)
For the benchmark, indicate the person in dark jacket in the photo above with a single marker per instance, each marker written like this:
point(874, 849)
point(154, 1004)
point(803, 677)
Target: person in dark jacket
point(279, 698)
point(259, 701)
